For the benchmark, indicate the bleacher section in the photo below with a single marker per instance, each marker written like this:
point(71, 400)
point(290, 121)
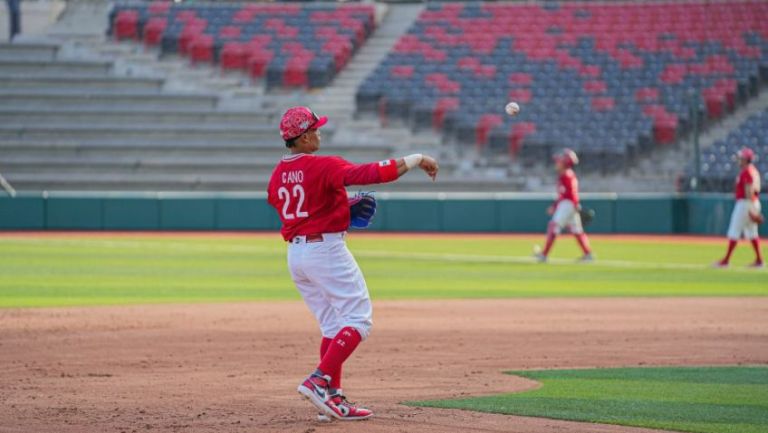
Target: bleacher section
point(610, 80)
point(76, 124)
point(719, 167)
point(290, 45)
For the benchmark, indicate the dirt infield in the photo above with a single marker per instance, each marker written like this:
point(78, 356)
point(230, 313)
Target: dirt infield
point(235, 367)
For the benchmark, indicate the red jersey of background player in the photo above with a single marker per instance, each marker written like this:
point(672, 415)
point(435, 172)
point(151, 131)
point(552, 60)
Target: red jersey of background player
point(749, 175)
point(568, 187)
point(308, 191)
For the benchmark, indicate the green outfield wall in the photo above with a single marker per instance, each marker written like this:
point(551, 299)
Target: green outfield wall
point(430, 212)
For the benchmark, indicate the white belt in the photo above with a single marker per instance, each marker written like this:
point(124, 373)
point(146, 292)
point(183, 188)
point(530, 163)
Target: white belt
point(320, 237)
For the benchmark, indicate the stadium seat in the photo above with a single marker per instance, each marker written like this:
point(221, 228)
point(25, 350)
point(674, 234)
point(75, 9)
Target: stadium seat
point(606, 78)
point(127, 24)
point(303, 45)
point(718, 167)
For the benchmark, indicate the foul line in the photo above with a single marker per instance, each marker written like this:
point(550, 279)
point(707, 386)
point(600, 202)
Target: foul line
point(478, 258)
point(197, 247)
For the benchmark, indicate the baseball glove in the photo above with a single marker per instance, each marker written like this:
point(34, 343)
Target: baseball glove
point(587, 215)
point(757, 217)
point(362, 208)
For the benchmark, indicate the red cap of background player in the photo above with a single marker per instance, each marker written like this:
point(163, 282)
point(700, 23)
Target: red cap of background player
point(746, 153)
point(568, 157)
point(298, 120)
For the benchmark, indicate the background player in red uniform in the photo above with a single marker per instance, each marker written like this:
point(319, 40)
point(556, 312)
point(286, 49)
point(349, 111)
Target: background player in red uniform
point(565, 210)
point(309, 193)
point(747, 208)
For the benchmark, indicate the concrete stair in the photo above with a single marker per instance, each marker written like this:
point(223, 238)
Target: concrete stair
point(72, 121)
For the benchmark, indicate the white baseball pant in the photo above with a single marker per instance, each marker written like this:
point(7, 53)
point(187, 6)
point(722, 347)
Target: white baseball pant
point(566, 216)
point(741, 224)
point(331, 283)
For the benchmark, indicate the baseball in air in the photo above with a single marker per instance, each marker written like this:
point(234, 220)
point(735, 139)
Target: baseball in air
point(512, 108)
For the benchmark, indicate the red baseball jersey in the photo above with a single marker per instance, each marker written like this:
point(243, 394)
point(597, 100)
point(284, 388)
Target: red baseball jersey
point(309, 195)
point(568, 187)
point(749, 175)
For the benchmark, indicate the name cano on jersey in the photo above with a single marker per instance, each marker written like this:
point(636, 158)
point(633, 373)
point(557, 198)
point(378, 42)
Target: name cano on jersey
point(293, 176)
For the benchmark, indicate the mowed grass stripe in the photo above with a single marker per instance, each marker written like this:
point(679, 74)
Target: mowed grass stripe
point(83, 270)
point(701, 399)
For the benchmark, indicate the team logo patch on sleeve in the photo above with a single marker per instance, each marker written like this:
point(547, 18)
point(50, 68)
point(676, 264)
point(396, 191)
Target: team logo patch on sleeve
point(385, 163)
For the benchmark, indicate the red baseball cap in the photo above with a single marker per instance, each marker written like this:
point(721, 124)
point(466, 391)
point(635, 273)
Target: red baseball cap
point(746, 153)
point(568, 157)
point(298, 120)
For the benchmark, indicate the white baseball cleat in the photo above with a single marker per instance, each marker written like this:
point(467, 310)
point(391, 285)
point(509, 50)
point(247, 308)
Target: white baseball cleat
point(540, 258)
point(587, 258)
point(316, 390)
point(349, 411)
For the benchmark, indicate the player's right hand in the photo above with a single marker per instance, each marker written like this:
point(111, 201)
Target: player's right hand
point(551, 210)
point(429, 165)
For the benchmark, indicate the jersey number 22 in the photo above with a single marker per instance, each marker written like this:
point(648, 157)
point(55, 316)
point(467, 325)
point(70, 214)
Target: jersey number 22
point(298, 194)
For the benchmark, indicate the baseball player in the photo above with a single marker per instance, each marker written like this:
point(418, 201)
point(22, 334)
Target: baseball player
point(565, 210)
point(308, 192)
point(746, 212)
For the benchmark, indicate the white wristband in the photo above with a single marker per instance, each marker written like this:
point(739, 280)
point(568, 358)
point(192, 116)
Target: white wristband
point(413, 160)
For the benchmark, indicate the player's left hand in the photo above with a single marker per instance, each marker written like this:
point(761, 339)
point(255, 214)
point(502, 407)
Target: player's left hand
point(756, 217)
point(362, 208)
point(429, 165)
point(586, 215)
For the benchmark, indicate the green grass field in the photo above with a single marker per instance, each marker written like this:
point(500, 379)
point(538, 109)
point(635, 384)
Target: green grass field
point(701, 399)
point(88, 270)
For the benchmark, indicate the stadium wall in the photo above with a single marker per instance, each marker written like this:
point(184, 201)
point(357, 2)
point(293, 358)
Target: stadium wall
point(639, 213)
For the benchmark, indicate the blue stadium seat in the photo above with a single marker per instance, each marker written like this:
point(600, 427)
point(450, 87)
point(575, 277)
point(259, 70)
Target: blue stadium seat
point(615, 76)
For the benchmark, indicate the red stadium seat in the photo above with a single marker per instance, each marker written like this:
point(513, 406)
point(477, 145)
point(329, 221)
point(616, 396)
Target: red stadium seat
point(243, 16)
point(127, 25)
point(257, 62)
point(647, 95)
point(193, 29)
point(603, 103)
point(519, 131)
point(520, 95)
point(159, 7)
point(232, 56)
point(201, 49)
point(185, 15)
point(520, 78)
point(402, 71)
point(153, 31)
point(230, 32)
point(595, 86)
point(484, 125)
point(665, 130)
point(295, 74)
point(442, 107)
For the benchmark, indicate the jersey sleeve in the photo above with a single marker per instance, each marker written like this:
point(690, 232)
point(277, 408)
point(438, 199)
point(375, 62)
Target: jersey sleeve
point(746, 177)
point(341, 173)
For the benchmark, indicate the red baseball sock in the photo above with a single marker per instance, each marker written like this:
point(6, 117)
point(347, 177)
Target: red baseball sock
point(758, 254)
point(550, 241)
point(551, 236)
point(342, 345)
point(336, 375)
point(731, 247)
point(583, 241)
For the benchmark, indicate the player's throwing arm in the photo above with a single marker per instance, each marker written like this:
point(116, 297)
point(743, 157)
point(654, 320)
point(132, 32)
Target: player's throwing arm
point(309, 193)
